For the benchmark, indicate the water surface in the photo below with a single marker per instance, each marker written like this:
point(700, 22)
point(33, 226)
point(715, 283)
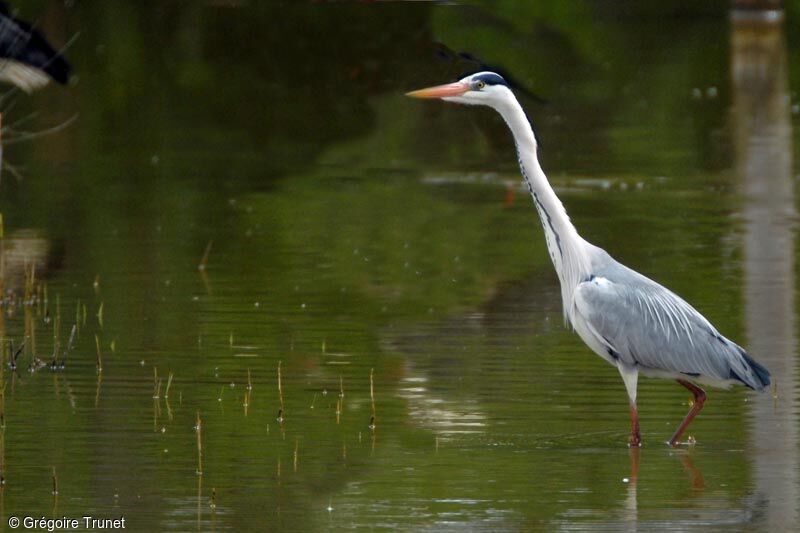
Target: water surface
point(382, 253)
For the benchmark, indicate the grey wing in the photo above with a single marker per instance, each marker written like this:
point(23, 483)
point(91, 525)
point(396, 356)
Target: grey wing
point(644, 324)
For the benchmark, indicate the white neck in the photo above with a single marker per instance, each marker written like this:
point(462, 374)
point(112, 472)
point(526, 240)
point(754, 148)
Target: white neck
point(568, 251)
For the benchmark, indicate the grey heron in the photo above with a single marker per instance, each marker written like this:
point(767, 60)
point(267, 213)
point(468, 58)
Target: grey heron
point(629, 320)
point(26, 58)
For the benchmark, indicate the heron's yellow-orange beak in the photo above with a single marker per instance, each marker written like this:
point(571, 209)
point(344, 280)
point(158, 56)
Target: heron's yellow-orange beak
point(441, 91)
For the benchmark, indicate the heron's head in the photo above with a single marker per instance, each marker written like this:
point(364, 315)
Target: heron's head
point(485, 88)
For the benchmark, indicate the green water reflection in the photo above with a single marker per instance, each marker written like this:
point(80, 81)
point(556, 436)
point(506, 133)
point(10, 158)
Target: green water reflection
point(353, 231)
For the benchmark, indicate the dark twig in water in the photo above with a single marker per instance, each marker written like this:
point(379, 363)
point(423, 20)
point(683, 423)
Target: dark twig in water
point(97, 389)
point(15, 354)
point(100, 315)
point(280, 394)
point(204, 260)
point(372, 398)
point(198, 427)
point(156, 384)
point(56, 332)
point(248, 392)
point(59, 365)
point(341, 394)
point(99, 353)
point(71, 341)
point(169, 383)
point(78, 316)
point(55, 482)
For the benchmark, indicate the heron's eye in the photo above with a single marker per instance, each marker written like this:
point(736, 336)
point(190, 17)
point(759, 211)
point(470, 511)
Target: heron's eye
point(480, 84)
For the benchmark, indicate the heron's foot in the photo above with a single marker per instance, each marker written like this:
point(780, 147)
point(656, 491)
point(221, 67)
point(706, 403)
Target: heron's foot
point(699, 399)
point(674, 443)
point(635, 440)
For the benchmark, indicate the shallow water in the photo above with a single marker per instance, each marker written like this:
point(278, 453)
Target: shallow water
point(351, 232)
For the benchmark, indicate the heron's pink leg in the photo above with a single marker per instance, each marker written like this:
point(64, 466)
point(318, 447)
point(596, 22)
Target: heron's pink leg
point(634, 455)
point(636, 435)
point(699, 400)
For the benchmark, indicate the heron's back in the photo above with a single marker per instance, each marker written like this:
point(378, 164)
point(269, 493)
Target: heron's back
point(643, 324)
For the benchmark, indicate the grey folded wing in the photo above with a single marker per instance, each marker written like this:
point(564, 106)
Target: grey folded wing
point(646, 325)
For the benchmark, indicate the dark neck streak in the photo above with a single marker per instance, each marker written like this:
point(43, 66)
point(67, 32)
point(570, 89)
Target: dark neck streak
point(566, 248)
point(545, 215)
